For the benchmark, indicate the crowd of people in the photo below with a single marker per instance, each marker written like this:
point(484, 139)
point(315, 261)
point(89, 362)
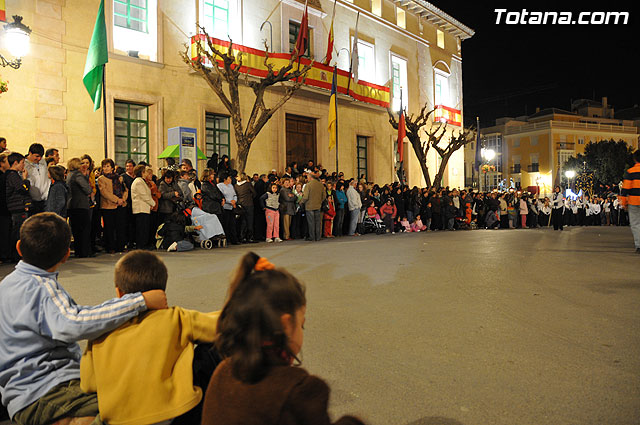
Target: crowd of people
point(113, 208)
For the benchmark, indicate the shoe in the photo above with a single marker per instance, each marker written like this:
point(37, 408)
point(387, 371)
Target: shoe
point(637, 250)
point(277, 240)
point(308, 239)
point(269, 240)
point(173, 247)
point(253, 241)
point(393, 233)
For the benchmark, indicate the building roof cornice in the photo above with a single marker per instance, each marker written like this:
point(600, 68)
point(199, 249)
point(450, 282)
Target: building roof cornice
point(437, 17)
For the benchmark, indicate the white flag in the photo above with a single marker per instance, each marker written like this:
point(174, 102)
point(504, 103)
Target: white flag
point(354, 54)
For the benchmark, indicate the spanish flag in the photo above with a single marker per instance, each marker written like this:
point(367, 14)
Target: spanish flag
point(3, 13)
point(330, 39)
point(333, 107)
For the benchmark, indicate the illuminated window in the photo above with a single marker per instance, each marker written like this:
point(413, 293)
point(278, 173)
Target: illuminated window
point(376, 7)
point(131, 14)
point(131, 132)
point(135, 28)
point(217, 135)
point(441, 91)
point(399, 80)
point(216, 18)
point(401, 18)
point(361, 146)
point(440, 39)
point(366, 61)
point(294, 29)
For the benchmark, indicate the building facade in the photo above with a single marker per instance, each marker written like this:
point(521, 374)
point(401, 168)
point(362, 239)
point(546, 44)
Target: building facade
point(409, 46)
point(534, 148)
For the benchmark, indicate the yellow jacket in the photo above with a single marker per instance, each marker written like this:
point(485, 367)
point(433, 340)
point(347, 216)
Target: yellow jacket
point(142, 371)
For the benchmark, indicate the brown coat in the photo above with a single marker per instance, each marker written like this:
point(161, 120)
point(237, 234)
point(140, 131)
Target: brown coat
point(109, 201)
point(286, 396)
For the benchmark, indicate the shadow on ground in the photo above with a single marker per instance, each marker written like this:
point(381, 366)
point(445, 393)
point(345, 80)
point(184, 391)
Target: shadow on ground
point(435, 420)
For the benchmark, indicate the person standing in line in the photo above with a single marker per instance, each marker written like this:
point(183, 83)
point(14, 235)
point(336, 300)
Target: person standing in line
point(18, 198)
point(3, 144)
point(58, 192)
point(128, 178)
point(558, 208)
point(287, 207)
point(5, 215)
point(269, 202)
point(113, 202)
point(52, 155)
point(246, 193)
point(142, 201)
point(630, 198)
point(230, 200)
point(314, 194)
point(36, 167)
point(354, 204)
point(79, 219)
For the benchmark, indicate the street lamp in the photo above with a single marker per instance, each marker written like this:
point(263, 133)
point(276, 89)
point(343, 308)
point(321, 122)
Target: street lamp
point(487, 155)
point(16, 40)
point(569, 174)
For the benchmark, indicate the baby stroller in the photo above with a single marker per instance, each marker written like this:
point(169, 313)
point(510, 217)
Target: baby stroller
point(370, 225)
point(211, 233)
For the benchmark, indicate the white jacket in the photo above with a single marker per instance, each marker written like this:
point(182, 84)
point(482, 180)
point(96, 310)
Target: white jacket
point(141, 199)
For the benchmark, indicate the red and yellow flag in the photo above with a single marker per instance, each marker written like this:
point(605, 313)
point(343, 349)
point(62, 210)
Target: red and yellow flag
point(3, 13)
point(330, 39)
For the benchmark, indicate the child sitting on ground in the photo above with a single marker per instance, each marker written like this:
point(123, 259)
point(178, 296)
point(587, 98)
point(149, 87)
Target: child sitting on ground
point(260, 332)
point(142, 371)
point(417, 225)
point(40, 325)
point(405, 225)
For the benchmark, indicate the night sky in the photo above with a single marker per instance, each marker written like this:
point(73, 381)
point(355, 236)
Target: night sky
point(509, 70)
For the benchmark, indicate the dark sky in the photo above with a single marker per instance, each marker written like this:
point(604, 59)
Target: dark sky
point(509, 70)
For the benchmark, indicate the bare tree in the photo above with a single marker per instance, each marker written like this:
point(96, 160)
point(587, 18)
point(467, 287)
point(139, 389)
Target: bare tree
point(421, 147)
point(230, 72)
point(455, 142)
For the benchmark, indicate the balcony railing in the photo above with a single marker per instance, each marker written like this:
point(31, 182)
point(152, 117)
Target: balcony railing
point(515, 169)
point(533, 168)
point(566, 145)
point(573, 125)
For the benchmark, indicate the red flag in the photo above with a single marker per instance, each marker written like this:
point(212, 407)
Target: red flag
point(330, 39)
point(303, 34)
point(402, 133)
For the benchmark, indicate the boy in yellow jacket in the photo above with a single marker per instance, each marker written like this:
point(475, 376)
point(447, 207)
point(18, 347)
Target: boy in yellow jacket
point(143, 370)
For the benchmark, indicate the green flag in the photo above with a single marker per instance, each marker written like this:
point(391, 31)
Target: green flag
point(97, 56)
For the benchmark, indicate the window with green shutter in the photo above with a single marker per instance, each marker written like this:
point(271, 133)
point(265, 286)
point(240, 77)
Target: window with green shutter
point(217, 135)
point(216, 14)
point(132, 14)
point(361, 166)
point(131, 132)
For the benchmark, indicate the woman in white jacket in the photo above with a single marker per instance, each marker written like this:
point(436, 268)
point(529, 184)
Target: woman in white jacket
point(141, 204)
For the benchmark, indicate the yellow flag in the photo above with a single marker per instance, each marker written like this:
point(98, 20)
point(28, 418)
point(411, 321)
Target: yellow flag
point(333, 119)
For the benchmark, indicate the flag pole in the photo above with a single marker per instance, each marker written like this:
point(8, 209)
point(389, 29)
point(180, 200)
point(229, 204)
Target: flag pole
point(335, 69)
point(104, 107)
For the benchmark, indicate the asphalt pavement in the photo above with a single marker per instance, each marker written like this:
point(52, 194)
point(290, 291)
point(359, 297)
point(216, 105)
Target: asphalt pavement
point(446, 328)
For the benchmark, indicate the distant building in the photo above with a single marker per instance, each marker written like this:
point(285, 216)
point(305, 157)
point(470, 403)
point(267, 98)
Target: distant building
point(531, 150)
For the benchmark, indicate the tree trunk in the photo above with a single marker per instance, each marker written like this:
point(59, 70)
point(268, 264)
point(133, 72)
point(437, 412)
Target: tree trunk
point(422, 158)
point(443, 165)
point(243, 153)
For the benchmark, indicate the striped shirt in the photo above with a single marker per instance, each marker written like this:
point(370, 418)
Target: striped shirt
point(630, 194)
point(39, 326)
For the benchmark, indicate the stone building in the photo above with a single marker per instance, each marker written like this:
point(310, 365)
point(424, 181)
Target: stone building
point(408, 43)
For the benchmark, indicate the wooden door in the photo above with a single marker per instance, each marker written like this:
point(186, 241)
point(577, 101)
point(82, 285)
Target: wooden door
point(301, 140)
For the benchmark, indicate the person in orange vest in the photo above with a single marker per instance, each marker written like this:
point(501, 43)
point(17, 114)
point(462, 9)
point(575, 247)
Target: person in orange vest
point(630, 198)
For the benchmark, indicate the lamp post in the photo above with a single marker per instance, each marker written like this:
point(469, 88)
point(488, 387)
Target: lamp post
point(16, 40)
point(487, 155)
point(569, 174)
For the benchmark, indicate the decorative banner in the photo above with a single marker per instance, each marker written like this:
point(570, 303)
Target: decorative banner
point(3, 13)
point(318, 76)
point(448, 115)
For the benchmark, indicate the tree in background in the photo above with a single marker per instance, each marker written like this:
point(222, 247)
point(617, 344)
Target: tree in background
point(606, 159)
point(229, 71)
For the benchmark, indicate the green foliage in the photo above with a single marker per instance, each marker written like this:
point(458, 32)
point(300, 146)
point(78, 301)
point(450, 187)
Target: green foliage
point(607, 160)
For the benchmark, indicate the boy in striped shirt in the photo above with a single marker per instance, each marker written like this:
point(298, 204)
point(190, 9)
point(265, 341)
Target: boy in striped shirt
point(40, 325)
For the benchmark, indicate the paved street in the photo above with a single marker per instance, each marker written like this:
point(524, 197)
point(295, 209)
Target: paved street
point(477, 327)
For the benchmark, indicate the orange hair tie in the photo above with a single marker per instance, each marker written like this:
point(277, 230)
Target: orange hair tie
point(263, 264)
